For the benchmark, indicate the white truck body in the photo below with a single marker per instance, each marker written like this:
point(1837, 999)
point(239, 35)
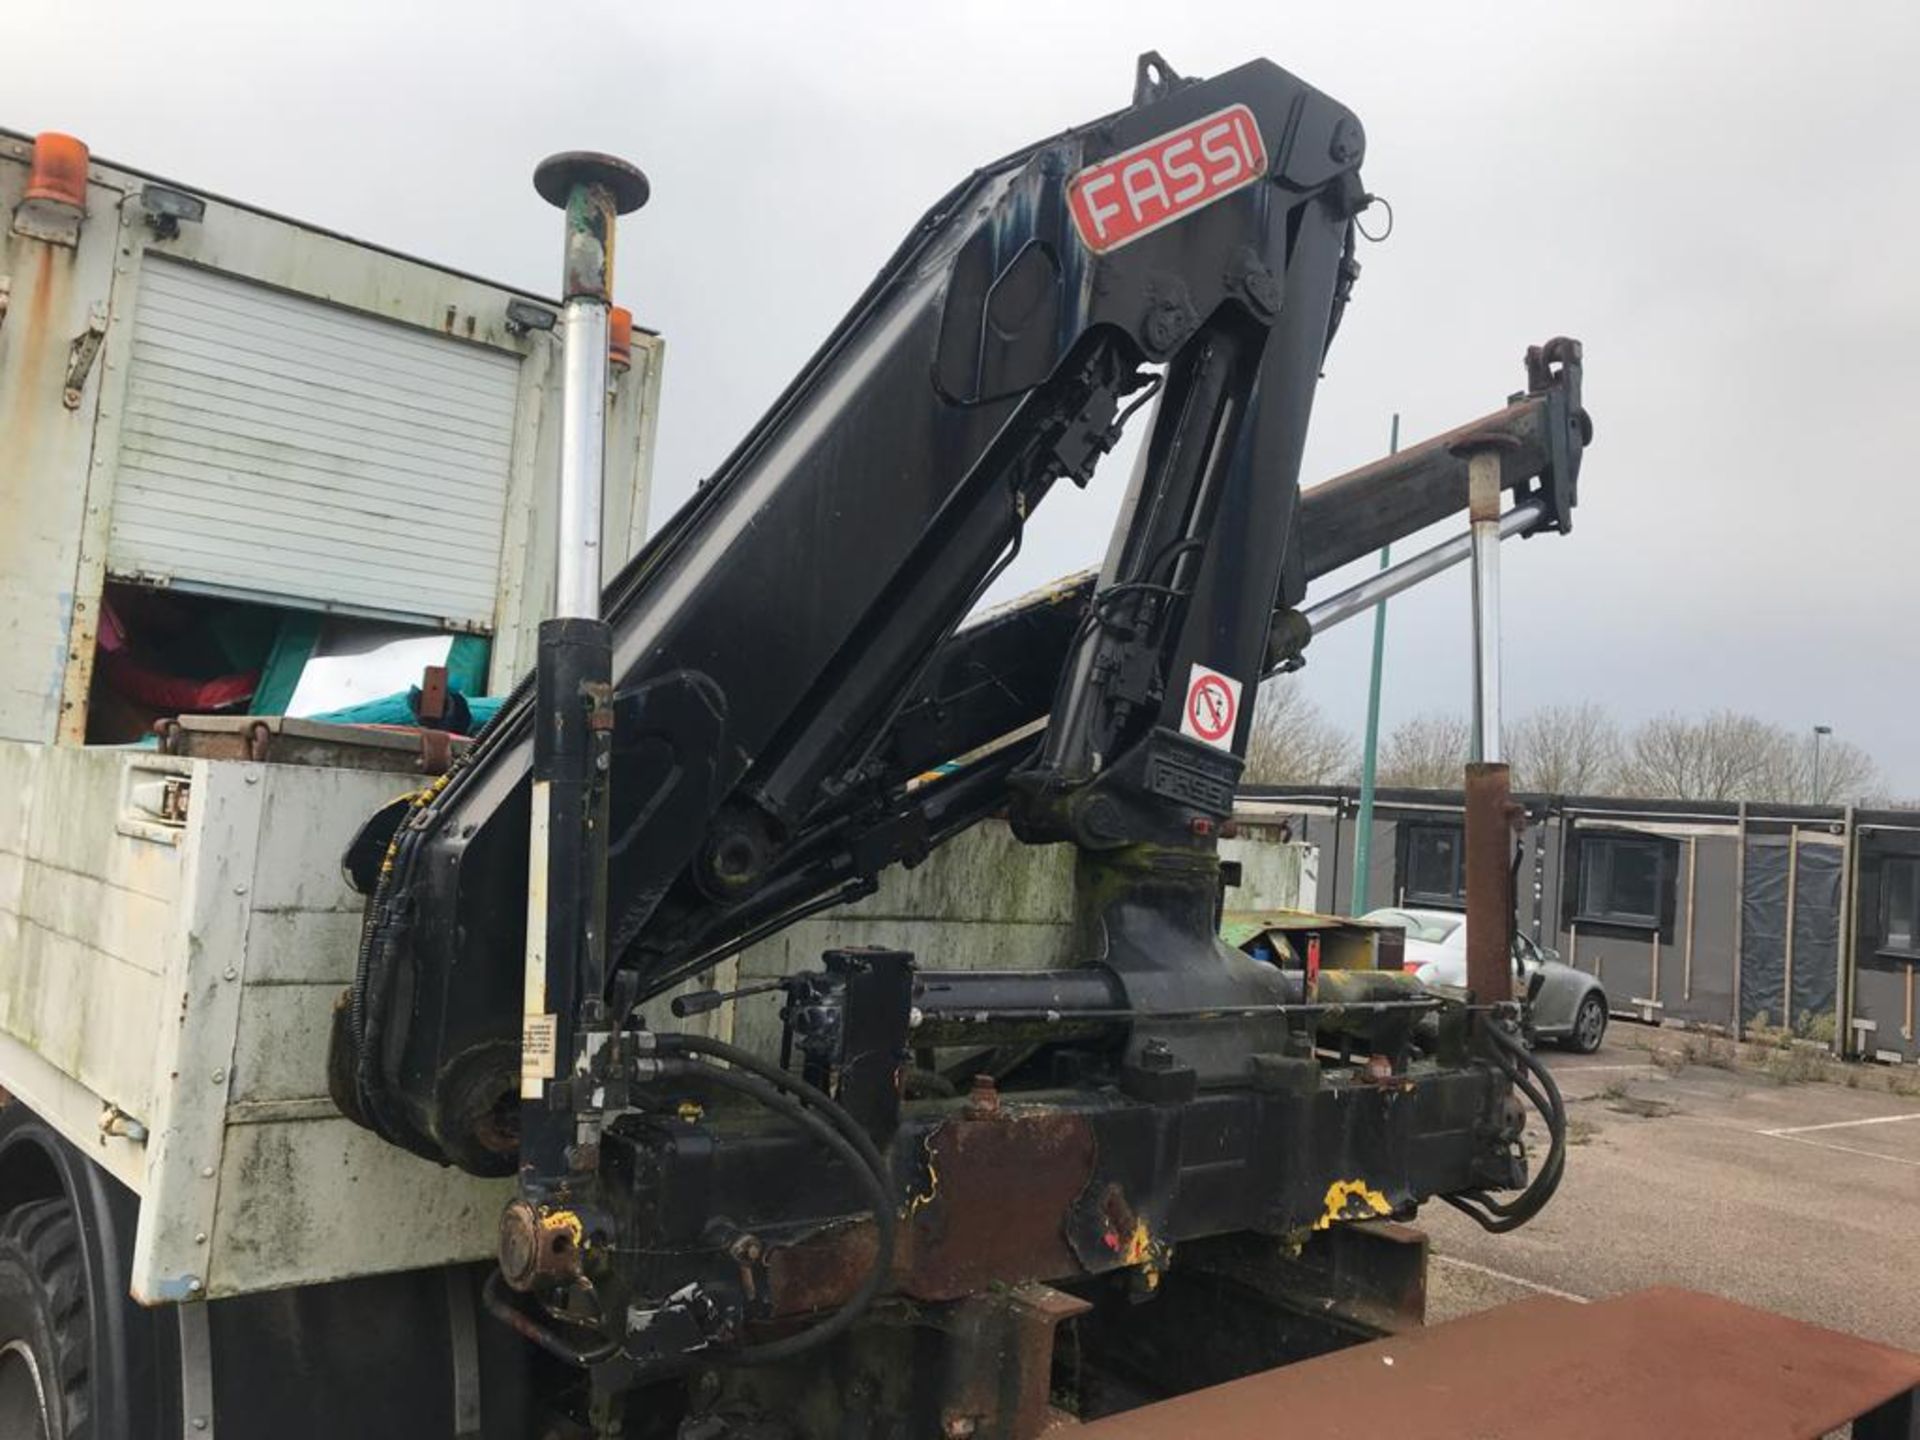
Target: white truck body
point(165, 994)
point(253, 409)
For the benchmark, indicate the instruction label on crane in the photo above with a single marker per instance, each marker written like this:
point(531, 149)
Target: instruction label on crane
point(1212, 708)
point(1167, 178)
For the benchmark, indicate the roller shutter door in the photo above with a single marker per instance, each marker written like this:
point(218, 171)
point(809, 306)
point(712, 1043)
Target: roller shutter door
point(281, 448)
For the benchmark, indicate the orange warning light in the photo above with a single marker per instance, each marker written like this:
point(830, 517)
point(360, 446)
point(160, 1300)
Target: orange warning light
point(59, 174)
point(620, 337)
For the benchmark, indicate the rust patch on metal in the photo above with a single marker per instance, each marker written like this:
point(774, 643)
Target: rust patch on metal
point(1001, 1379)
point(1657, 1362)
point(1489, 842)
point(540, 1246)
point(822, 1269)
point(1002, 1190)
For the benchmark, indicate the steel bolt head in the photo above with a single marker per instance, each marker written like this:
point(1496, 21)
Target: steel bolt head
point(519, 1244)
point(1347, 143)
point(983, 1098)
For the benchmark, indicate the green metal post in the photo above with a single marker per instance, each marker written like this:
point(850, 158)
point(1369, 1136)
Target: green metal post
point(1363, 825)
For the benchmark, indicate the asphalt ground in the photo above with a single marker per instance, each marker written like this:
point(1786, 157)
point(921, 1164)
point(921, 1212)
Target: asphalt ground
point(1802, 1198)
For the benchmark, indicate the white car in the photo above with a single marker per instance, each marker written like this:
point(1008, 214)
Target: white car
point(1566, 1004)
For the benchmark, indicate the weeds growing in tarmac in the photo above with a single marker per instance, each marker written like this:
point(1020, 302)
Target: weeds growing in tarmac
point(1795, 1056)
point(1715, 1051)
point(1794, 1066)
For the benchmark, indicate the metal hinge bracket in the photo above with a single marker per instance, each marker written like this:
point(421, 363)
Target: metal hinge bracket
point(82, 353)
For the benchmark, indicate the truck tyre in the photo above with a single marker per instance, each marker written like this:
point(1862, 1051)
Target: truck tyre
point(45, 1345)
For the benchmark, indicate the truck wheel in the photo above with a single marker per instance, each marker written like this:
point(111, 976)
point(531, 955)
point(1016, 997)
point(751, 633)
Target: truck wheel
point(44, 1342)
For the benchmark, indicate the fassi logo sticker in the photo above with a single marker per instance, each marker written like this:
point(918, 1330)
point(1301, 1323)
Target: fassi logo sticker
point(1137, 191)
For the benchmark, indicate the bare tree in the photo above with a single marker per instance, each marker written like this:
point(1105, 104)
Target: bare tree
point(1292, 742)
point(1729, 756)
point(1427, 752)
point(1564, 750)
point(1847, 772)
point(1719, 756)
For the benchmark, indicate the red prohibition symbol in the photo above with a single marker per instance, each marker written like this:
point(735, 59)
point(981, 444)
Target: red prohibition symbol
point(1210, 708)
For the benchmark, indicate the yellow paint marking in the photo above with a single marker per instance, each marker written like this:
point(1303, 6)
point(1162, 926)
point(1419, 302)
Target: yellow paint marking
point(1351, 1200)
point(1146, 1253)
point(917, 1202)
point(566, 1222)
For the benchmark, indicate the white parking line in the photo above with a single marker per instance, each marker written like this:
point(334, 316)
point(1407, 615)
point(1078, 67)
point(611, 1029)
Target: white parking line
point(1492, 1273)
point(1843, 1149)
point(1592, 1069)
point(1843, 1124)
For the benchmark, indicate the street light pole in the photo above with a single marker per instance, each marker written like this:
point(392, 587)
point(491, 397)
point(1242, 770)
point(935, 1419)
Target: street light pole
point(1818, 731)
point(1363, 822)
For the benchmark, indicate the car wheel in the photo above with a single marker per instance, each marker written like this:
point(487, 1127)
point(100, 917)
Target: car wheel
point(1589, 1024)
point(45, 1348)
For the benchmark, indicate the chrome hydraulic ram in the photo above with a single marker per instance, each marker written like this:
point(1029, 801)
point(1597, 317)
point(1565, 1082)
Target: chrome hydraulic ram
point(1384, 585)
point(564, 1010)
point(1489, 805)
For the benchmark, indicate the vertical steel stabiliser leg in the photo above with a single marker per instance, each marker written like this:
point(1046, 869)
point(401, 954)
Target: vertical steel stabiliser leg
point(565, 1015)
point(1489, 805)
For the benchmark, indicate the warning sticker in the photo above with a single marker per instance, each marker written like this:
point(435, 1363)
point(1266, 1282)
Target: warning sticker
point(536, 1055)
point(1212, 708)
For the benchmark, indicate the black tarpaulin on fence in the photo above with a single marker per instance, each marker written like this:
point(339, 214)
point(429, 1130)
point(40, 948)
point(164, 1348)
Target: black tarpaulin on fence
point(1763, 930)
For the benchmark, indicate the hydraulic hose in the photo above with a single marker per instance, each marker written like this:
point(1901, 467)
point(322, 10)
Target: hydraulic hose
point(683, 1044)
point(1496, 1216)
point(502, 1307)
point(824, 1127)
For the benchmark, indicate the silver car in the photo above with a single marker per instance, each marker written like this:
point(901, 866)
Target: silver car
point(1565, 1004)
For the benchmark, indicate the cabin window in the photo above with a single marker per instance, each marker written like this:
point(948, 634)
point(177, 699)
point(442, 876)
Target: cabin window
point(1622, 880)
point(1900, 904)
point(1434, 871)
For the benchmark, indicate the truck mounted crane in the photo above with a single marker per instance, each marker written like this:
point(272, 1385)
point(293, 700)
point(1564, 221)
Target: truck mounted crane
point(777, 699)
point(578, 1037)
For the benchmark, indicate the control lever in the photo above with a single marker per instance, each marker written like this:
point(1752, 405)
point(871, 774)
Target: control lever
point(702, 1002)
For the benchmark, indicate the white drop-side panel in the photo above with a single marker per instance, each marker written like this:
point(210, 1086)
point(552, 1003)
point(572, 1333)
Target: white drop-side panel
point(276, 446)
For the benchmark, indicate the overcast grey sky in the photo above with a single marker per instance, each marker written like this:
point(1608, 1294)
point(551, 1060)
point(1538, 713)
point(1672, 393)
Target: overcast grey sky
point(1718, 199)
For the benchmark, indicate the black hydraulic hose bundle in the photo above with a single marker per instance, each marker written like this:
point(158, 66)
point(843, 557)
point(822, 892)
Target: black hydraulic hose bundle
point(1524, 1069)
point(825, 1121)
point(806, 1107)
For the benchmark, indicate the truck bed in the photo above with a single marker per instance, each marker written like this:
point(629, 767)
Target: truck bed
point(174, 980)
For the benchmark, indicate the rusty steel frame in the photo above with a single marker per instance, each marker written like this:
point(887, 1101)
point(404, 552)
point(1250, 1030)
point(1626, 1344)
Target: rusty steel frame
point(1653, 1363)
point(1490, 814)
